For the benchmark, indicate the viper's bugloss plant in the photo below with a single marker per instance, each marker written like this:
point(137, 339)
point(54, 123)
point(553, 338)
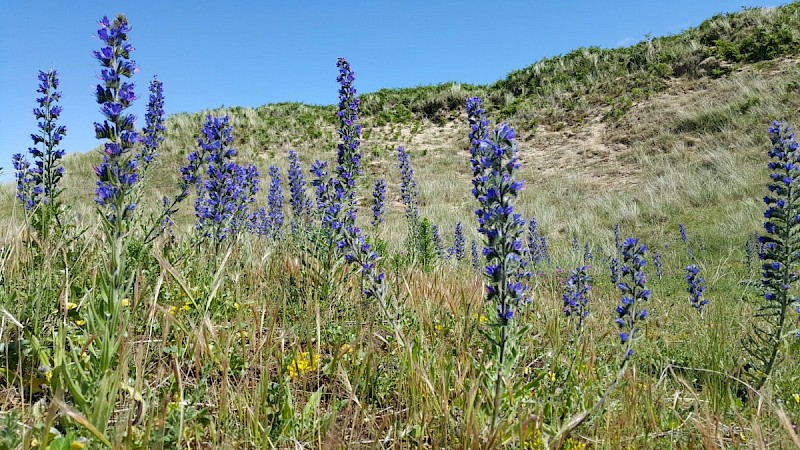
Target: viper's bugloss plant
point(117, 175)
point(613, 265)
point(227, 191)
point(576, 295)
point(360, 252)
point(438, 243)
point(494, 162)
point(496, 189)
point(330, 195)
point(297, 191)
point(479, 129)
point(349, 152)
point(378, 201)
point(26, 183)
point(118, 172)
point(37, 186)
point(537, 244)
point(695, 286)
point(269, 222)
point(780, 251)
point(409, 194)
point(659, 265)
point(373, 280)
point(588, 256)
point(685, 240)
point(458, 248)
point(630, 311)
point(154, 129)
point(275, 200)
point(475, 255)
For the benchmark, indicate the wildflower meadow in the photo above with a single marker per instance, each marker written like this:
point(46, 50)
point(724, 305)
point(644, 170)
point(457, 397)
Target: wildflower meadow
point(211, 299)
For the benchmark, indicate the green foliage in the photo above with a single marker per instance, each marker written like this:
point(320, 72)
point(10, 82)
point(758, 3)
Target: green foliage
point(425, 250)
point(10, 432)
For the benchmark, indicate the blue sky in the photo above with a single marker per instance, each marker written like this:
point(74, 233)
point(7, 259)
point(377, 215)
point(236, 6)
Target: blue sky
point(249, 53)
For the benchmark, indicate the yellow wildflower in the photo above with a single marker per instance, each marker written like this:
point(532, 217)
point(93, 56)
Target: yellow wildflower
point(572, 444)
point(70, 306)
point(125, 302)
point(796, 398)
point(535, 441)
point(34, 443)
point(186, 306)
point(552, 376)
point(346, 348)
point(236, 306)
point(302, 364)
point(172, 310)
point(80, 322)
point(480, 318)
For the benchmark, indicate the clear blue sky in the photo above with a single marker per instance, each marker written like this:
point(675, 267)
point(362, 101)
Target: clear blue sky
point(248, 53)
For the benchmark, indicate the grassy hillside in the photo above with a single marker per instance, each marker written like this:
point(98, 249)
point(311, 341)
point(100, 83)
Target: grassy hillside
point(672, 130)
point(669, 122)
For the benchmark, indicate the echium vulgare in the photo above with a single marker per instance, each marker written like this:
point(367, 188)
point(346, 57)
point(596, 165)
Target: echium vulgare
point(275, 201)
point(780, 251)
point(297, 192)
point(438, 242)
point(458, 248)
point(537, 243)
point(38, 186)
point(475, 256)
point(494, 162)
point(496, 189)
point(118, 172)
point(330, 195)
point(631, 284)
point(576, 295)
point(269, 222)
point(409, 194)
point(349, 152)
point(695, 286)
point(227, 191)
point(378, 201)
point(153, 131)
point(478, 130)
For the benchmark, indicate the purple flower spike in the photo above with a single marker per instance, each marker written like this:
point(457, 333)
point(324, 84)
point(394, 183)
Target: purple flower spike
point(153, 132)
point(378, 201)
point(494, 161)
point(118, 172)
point(38, 184)
point(631, 285)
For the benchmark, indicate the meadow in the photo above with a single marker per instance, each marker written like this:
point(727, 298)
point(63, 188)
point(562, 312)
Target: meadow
point(600, 250)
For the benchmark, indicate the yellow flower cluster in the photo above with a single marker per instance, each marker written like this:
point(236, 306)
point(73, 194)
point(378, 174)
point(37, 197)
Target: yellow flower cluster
point(302, 364)
point(535, 441)
point(572, 444)
point(480, 318)
point(187, 305)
